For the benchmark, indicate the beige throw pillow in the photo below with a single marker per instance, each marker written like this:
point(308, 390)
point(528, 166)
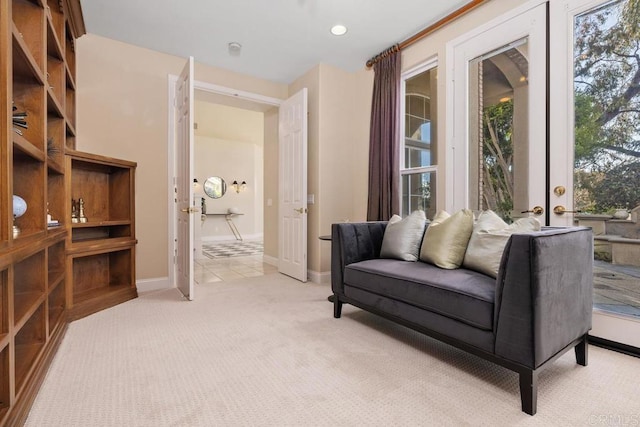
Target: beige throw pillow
point(446, 238)
point(402, 237)
point(489, 237)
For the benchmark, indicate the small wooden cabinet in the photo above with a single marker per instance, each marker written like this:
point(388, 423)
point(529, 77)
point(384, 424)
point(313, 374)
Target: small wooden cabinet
point(101, 246)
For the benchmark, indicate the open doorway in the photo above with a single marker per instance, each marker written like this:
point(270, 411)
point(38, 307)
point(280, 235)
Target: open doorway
point(229, 166)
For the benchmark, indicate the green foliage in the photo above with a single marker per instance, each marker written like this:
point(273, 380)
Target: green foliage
point(618, 188)
point(607, 107)
point(497, 152)
point(588, 133)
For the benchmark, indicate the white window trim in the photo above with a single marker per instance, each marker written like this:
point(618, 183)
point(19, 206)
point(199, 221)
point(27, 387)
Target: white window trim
point(406, 75)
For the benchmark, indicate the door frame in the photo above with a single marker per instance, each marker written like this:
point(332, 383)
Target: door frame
point(171, 166)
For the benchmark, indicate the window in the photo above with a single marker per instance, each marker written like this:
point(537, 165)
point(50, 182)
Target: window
point(418, 167)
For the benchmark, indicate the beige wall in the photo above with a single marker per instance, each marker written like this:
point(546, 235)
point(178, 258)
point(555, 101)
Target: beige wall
point(339, 110)
point(122, 105)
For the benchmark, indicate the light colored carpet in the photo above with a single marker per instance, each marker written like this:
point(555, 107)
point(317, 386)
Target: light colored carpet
point(266, 351)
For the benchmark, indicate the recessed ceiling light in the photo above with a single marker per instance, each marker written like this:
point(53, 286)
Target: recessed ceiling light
point(338, 30)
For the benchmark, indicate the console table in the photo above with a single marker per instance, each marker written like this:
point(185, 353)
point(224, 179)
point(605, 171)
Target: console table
point(229, 218)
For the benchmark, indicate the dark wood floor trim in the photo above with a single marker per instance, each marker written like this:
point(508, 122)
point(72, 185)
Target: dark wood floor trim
point(615, 346)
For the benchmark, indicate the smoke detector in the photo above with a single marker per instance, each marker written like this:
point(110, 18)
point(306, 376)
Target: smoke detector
point(234, 48)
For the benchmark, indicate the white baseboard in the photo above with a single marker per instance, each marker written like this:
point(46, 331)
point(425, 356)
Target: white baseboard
point(319, 277)
point(270, 260)
point(149, 285)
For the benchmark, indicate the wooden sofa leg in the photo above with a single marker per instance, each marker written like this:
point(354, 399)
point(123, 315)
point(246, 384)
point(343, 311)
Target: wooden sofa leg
point(582, 351)
point(529, 391)
point(337, 307)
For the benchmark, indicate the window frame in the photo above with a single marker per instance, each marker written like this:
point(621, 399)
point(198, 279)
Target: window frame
point(427, 65)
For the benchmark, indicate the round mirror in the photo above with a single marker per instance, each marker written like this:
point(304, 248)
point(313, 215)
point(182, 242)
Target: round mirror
point(215, 187)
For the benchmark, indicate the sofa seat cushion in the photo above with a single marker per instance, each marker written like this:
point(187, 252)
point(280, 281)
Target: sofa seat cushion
point(461, 294)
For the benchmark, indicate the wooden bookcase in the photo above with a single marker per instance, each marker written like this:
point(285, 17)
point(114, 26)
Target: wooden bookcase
point(101, 248)
point(37, 76)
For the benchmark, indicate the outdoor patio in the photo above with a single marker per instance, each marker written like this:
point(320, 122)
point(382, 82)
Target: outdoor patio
point(616, 288)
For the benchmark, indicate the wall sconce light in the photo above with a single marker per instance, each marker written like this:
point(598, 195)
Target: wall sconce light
point(239, 187)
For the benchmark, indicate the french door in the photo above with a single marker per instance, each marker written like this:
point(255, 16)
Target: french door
point(183, 117)
point(594, 162)
point(497, 139)
point(564, 148)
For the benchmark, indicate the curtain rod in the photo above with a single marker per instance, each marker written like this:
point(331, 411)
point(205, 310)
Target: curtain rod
point(431, 28)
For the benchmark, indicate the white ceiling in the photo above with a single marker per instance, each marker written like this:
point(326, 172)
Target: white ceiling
point(281, 39)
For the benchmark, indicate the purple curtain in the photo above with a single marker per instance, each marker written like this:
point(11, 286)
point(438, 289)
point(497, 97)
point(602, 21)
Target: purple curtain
point(384, 141)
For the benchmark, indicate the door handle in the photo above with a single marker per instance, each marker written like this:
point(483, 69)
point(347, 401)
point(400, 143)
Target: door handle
point(537, 210)
point(301, 210)
point(561, 210)
point(190, 210)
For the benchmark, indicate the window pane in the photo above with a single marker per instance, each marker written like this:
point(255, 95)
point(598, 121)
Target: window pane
point(498, 130)
point(420, 120)
point(419, 192)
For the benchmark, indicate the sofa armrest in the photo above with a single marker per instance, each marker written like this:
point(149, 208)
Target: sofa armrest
point(353, 242)
point(544, 293)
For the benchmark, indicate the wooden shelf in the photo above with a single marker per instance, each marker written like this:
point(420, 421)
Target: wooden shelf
point(29, 285)
point(99, 245)
point(55, 263)
point(4, 302)
point(25, 64)
point(101, 251)
point(56, 304)
point(53, 104)
point(100, 224)
point(4, 381)
point(37, 76)
point(29, 342)
point(22, 147)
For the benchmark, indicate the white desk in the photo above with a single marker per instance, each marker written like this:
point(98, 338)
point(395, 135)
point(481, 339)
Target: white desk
point(229, 218)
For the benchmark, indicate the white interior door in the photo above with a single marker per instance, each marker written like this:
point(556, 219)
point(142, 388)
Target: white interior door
point(583, 36)
point(496, 142)
point(292, 137)
point(184, 177)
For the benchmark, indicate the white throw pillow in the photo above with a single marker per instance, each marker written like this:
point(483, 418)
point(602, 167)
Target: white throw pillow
point(489, 237)
point(445, 241)
point(402, 237)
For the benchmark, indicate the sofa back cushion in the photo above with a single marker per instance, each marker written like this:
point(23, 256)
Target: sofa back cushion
point(445, 241)
point(402, 237)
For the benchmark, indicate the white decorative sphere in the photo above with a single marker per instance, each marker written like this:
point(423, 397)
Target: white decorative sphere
point(19, 206)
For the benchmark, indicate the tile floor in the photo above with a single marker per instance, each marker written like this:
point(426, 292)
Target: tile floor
point(208, 270)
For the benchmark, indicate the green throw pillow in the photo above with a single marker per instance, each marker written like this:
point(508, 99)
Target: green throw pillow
point(446, 238)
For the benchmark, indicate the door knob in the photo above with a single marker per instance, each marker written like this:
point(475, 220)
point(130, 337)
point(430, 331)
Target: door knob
point(301, 210)
point(561, 210)
point(537, 210)
point(559, 190)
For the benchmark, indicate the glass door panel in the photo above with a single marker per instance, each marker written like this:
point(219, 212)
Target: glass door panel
point(595, 149)
point(606, 88)
point(498, 131)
